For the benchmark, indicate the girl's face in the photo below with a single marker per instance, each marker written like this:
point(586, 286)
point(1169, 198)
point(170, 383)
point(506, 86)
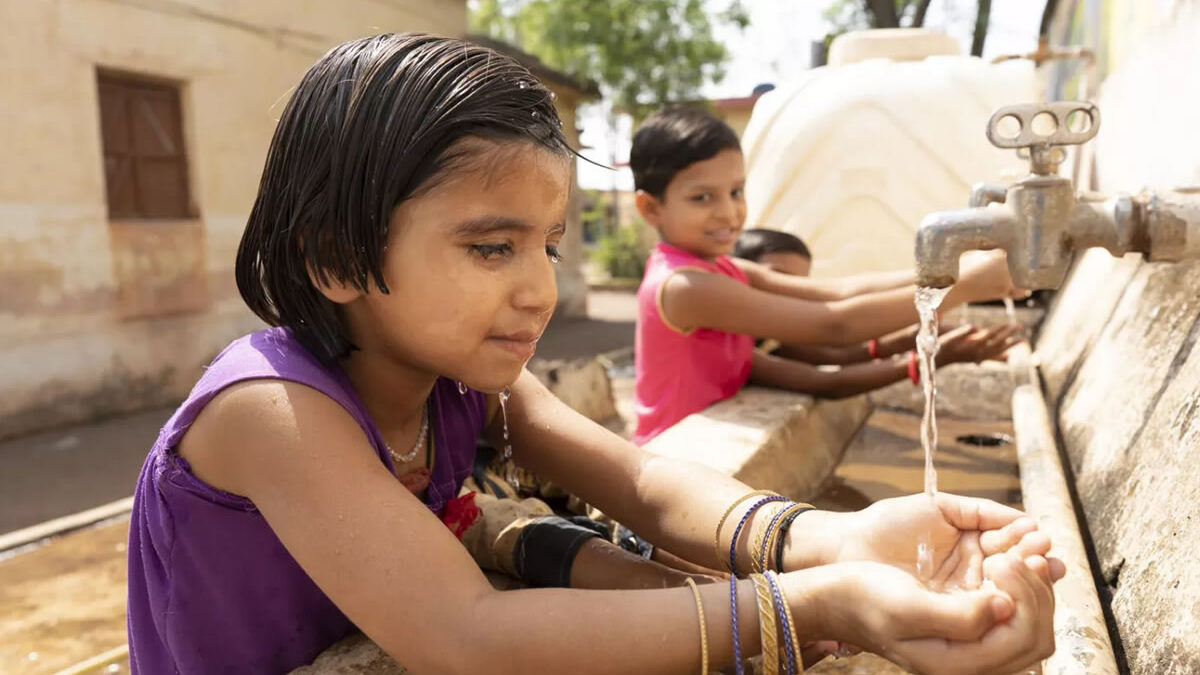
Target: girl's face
point(470, 267)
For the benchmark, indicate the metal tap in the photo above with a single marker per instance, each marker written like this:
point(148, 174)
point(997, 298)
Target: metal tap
point(1040, 220)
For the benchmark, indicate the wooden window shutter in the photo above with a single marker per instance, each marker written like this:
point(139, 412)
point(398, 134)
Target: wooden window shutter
point(145, 161)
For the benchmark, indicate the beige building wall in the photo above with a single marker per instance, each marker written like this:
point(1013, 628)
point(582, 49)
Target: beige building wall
point(98, 317)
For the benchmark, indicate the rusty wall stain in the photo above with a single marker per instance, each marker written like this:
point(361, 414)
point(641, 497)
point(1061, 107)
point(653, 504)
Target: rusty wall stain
point(159, 267)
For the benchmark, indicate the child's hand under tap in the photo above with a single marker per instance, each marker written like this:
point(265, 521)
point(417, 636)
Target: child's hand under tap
point(984, 276)
point(968, 344)
point(962, 533)
point(996, 629)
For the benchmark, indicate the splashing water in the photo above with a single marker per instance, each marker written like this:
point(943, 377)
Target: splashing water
point(928, 300)
point(506, 453)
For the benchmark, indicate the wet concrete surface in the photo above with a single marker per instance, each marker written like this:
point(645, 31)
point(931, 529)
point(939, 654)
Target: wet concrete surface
point(885, 460)
point(64, 602)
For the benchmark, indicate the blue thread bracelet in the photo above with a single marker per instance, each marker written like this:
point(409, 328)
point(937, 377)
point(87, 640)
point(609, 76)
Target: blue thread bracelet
point(737, 647)
point(742, 523)
point(733, 604)
point(782, 614)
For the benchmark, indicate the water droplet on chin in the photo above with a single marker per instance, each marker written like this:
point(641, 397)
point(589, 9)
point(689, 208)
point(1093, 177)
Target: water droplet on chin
point(462, 388)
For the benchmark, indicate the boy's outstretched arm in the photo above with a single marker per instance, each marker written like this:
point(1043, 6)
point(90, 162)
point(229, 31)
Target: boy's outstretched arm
point(961, 345)
point(898, 342)
point(692, 298)
point(806, 288)
point(805, 378)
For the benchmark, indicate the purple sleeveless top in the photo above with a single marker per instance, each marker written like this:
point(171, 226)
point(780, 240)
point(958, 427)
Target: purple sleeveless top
point(211, 588)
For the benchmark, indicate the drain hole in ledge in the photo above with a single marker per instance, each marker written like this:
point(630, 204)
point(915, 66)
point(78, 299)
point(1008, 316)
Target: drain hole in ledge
point(985, 440)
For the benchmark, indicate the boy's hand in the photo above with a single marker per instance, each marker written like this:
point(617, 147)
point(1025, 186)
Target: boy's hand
point(967, 344)
point(984, 276)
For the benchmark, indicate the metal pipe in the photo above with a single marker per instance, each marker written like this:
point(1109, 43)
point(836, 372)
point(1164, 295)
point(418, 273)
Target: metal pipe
point(1080, 633)
point(983, 194)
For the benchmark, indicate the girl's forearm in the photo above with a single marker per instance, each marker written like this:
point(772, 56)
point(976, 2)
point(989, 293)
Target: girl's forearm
point(691, 532)
point(650, 631)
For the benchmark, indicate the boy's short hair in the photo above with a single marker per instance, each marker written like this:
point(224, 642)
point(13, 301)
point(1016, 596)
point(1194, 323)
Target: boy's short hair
point(754, 244)
point(673, 139)
point(374, 122)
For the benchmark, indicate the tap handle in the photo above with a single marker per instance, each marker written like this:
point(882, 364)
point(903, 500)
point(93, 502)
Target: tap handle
point(1042, 125)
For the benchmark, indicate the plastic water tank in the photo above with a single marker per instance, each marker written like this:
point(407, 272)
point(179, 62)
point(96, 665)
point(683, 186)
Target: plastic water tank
point(851, 157)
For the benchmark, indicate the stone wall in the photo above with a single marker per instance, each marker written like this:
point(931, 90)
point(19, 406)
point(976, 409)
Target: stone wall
point(1121, 365)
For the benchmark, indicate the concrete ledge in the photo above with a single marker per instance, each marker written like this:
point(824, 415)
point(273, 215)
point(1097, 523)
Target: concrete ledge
point(582, 384)
point(966, 391)
point(768, 439)
point(354, 655)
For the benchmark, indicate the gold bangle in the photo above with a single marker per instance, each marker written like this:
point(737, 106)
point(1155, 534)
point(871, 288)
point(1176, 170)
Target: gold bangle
point(717, 553)
point(787, 614)
point(766, 625)
point(761, 534)
point(703, 626)
point(777, 532)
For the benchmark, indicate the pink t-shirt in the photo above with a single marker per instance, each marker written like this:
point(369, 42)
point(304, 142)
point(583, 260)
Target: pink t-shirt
point(681, 372)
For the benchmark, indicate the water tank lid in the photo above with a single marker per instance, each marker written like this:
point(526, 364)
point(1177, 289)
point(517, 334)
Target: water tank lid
point(897, 44)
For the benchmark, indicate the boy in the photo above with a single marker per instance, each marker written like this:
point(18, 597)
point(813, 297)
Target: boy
point(863, 367)
point(698, 308)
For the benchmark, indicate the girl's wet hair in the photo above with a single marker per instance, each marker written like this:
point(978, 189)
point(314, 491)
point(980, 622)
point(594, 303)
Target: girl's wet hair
point(370, 125)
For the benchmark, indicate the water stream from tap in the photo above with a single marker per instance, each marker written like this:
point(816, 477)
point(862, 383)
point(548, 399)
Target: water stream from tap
point(928, 300)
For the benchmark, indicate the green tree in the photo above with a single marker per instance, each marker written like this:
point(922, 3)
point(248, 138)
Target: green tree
point(642, 53)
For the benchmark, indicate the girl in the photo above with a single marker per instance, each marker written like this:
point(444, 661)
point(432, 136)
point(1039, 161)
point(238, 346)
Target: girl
point(402, 245)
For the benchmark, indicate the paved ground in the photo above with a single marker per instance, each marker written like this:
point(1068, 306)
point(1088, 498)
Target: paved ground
point(608, 326)
point(58, 473)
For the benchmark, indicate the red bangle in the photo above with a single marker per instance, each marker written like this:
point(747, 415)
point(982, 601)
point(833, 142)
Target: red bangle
point(914, 370)
point(873, 348)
